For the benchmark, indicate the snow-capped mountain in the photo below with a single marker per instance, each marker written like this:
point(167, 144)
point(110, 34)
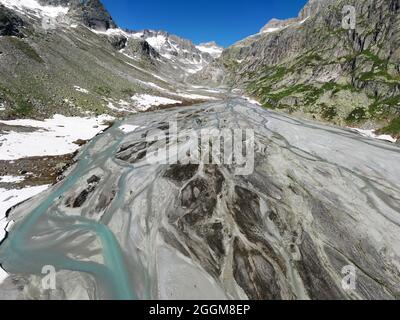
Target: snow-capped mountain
point(90, 13)
point(181, 52)
point(35, 9)
point(212, 48)
point(117, 64)
point(170, 52)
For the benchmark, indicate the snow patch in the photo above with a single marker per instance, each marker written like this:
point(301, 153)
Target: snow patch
point(3, 275)
point(151, 85)
point(11, 179)
point(113, 32)
point(53, 137)
point(275, 29)
point(214, 51)
point(34, 7)
point(146, 101)
point(79, 89)
point(193, 96)
point(157, 42)
point(372, 134)
point(302, 21)
point(270, 30)
point(123, 106)
point(2, 107)
point(252, 101)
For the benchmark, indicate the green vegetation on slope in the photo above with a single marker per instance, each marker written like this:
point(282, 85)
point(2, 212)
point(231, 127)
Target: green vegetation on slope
point(393, 128)
point(24, 47)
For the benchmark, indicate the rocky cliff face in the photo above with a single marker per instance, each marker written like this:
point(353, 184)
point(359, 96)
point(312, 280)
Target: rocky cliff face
point(314, 7)
point(89, 12)
point(10, 23)
point(312, 66)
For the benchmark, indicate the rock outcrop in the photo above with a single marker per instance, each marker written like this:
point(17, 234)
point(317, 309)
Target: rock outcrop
point(141, 49)
point(10, 23)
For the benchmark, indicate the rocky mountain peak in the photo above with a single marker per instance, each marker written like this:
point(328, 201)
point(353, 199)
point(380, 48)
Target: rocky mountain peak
point(312, 8)
point(91, 13)
point(277, 24)
point(172, 46)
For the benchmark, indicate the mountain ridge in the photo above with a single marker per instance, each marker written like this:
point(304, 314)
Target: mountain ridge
point(310, 66)
point(63, 45)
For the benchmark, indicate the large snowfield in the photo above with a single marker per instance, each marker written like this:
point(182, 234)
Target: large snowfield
point(51, 137)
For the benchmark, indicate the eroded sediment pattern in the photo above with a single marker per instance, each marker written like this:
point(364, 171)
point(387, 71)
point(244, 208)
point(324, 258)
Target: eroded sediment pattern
point(319, 199)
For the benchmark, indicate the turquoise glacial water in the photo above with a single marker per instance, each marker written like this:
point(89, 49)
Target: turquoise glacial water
point(20, 255)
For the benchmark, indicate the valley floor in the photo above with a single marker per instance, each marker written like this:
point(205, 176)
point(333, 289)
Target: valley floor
point(320, 198)
point(35, 154)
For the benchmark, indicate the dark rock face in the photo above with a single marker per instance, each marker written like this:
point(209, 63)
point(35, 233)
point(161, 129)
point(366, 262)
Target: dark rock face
point(10, 23)
point(94, 15)
point(57, 2)
point(141, 49)
point(118, 41)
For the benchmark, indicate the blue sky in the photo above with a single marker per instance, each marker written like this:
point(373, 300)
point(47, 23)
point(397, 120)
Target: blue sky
point(225, 21)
